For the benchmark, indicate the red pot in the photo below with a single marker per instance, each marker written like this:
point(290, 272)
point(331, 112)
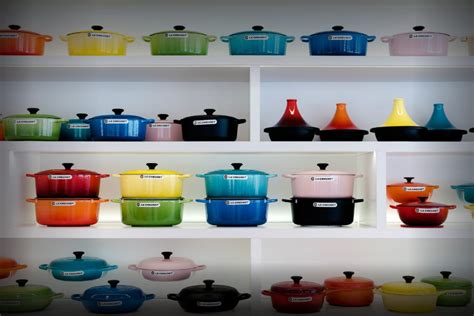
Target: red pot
point(296, 296)
point(16, 42)
point(67, 183)
point(423, 213)
point(349, 291)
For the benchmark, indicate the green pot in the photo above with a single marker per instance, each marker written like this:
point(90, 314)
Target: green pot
point(24, 298)
point(179, 42)
point(455, 291)
point(152, 212)
point(33, 126)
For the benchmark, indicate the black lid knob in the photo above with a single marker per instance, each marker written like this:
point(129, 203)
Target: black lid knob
point(78, 254)
point(337, 28)
point(68, 165)
point(14, 27)
point(113, 283)
point(151, 165)
point(236, 165)
point(97, 27)
point(418, 28)
point(408, 278)
point(21, 282)
point(179, 27)
point(117, 111)
point(422, 199)
point(81, 116)
point(167, 254)
point(409, 179)
point(257, 27)
point(163, 116)
point(322, 166)
point(209, 111)
point(208, 284)
point(33, 110)
point(348, 274)
point(446, 274)
point(296, 279)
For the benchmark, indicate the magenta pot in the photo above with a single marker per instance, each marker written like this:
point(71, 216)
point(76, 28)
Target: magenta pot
point(163, 130)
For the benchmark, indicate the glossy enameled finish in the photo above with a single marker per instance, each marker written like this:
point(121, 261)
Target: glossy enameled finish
point(349, 290)
point(409, 191)
point(465, 192)
point(341, 127)
point(163, 130)
point(439, 128)
point(454, 291)
point(76, 129)
point(8, 267)
point(423, 213)
point(15, 41)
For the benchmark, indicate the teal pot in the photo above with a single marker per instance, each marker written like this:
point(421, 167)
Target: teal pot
point(439, 128)
point(76, 129)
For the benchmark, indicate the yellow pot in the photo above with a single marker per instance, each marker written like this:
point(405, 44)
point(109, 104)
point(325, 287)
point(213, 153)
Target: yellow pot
point(97, 42)
point(399, 115)
point(151, 183)
point(471, 208)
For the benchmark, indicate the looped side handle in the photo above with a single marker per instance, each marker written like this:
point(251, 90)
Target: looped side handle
point(173, 297)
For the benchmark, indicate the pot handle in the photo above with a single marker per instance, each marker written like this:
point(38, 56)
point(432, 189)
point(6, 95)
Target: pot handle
point(63, 38)
point(386, 39)
point(451, 207)
point(133, 267)
point(287, 200)
point(76, 297)
point(394, 207)
point(289, 176)
point(304, 38)
point(119, 201)
point(185, 201)
point(173, 297)
point(358, 200)
point(184, 176)
point(272, 200)
point(244, 296)
point(211, 38)
point(266, 293)
point(47, 38)
point(30, 175)
point(241, 121)
point(371, 38)
point(452, 38)
point(116, 175)
point(290, 39)
point(203, 201)
point(130, 39)
point(31, 200)
point(18, 267)
point(225, 39)
point(464, 39)
point(273, 175)
point(110, 268)
point(58, 295)
point(149, 297)
point(378, 291)
point(102, 176)
point(200, 175)
point(100, 201)
point(177, 121)
point(44, 266)
point(146, 38)
point(358, 176)
point(199, 268)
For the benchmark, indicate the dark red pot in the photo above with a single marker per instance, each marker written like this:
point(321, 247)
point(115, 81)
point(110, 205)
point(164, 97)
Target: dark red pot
point(423, 213)
point(67, 183)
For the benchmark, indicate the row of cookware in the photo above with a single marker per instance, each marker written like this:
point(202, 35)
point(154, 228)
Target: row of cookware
point(398, 127)
point(257, 41)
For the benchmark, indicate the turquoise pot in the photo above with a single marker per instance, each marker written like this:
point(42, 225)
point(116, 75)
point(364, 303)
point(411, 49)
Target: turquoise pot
point(439, 119)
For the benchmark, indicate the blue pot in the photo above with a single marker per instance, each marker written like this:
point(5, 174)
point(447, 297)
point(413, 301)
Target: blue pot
point(78, 268)
point(237, 212)
point(76, 129)
point(118, 127)
point(236, 182)
point(438, 119)
point(338, 42)
point(465, 192)
point(112, 298)
point(257, 42)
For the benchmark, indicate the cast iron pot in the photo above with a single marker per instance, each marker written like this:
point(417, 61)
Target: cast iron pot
point(455, 291)
point(465, 192)
point(291, 133)
point(210, 127)
point(208, 298)
point(342, 135)
point(312, 211)
point(398, 133)
point(423, 213)
point(15, 41)
point(76, 129)
point(112, 299)
point(349, 291)
point(443, 135)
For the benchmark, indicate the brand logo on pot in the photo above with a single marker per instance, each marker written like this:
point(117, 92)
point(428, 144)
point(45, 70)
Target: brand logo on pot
point(153, 204)
point(322, 178)
point(208, 304)
point(340, 37)
point(256, 37)
point(435, 210)
point(109, 304)
point(160, 125)
point(321, 204)
point(235, 177)
point(177, 35)
point(10, 302)
point(420, 35)
point(78, 126)
point(300, 299)
point(237, 202)
point(99, 35)
point(60, 177)
point(205, 122)
point(116, 121)
point(162, 273)
point(414, 189)
point(26, 122)
point(455, 293)
point(63, 203)
point(73, 273)
point(151, 176)
point(4, 36)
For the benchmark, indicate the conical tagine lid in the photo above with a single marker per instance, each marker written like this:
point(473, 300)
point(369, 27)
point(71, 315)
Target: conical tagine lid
point(341, 119)
point(292, 116)
point(438, 119)
point(399, 115)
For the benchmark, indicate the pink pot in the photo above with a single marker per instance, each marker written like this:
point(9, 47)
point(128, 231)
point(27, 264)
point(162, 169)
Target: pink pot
point(163, 130)
point(418, 43)
point(322, 183)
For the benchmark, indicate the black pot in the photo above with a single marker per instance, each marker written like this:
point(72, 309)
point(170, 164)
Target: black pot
point(342, 135)
point(471, 130)
point(291, 133)
point(315, 211)
point(208, 298)
point(443, 135)
point(398, 133)
point(210, 127)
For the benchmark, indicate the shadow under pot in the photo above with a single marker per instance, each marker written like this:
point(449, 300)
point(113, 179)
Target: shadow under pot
point(237, 212)
point(454, 291)
point(25, 298)
point(8, 267)
point(163, 130)
point(112, 298)
point(208, 298)
point(341, 127)
point(325, 212)
point(465, 192)
point(76, 129)
point(349, 291)
point(423, 213)
point(440, 129)
point(78, 268)
point(409, 191)
point(210, 127)
point(166, 268)
point(296, 296)
point(15, 41)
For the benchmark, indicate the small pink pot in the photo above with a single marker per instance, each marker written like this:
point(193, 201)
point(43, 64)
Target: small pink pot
point(163, 130)
point(322, 183)
point(418, 43)
point(166, 275)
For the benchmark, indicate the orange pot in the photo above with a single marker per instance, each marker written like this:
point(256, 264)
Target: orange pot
point(341, 119)
point(17, 42)
point(349, 291)
point(67, 212)
point(8, 267)
point(409, 191)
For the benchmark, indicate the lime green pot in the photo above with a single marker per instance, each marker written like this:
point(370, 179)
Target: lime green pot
point(152, 212)
point(454, 291)
point(179, 42)
point(33, 126)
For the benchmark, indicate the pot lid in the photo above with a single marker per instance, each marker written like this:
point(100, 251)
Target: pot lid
point(179, 29)
point(445, 281)
point(296, 286)
point(257, 29)
point(96, 29)
point(341, 119)
point(33, 113)
point(22, 290)
point(209, 115)
point(408, 287)
point(338, 29)
point(291, 116)
point(67, 171)
point(420, 28)
point(422, 202)
point(399, 115)
point(409, 183)
point(117, 115)
point(166, 263)
point(322, 171)
point(210, 288)
point(78, 262)
point(463, 186)
point(349, 281)
point(151, 170)
point(439, 119)
point(236, 170)
point(6, 263)
point(13, 28)
point(113, 291)
point(80, 118)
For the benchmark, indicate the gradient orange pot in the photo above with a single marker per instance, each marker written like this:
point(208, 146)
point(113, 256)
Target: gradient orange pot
point(18, 42)
point(8, 267)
